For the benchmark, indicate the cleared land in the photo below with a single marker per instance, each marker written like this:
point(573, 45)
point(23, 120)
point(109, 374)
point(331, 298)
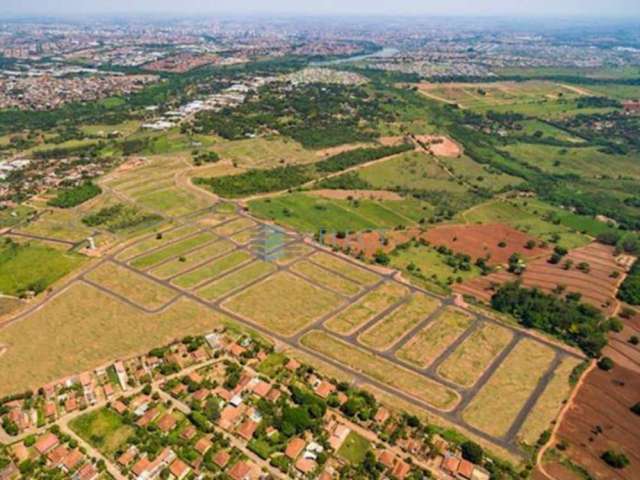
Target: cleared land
point(82, 328)
point(196, 257)
point(497, 242)
point(132, 286)
point(234, 226)
point(212, 269)
point(180, 247)
point(496, 406)
point(432, 341)
point(465, 365)
point(236, 280)
point(365, 309)
point(392, 328)
point(283, 303)
point(325, 278)
point(264, 152)
point(345, 268)
point(550, 403)
point(382, 370)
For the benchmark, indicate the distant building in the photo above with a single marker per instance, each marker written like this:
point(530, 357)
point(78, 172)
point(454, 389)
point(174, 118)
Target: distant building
point(631, 106)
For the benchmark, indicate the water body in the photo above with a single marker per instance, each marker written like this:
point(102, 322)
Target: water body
point(383, 53)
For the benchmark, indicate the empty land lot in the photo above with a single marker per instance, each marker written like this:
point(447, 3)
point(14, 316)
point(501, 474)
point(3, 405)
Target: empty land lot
point(496, 406)
point(366, 308)
point(432, 341)
point(382, 370)
point(283, 303)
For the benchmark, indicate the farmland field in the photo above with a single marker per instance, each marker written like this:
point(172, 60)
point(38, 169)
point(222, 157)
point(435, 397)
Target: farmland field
point(265, 304)
point(83, 327)
point(432, 341)
point(496, 406)
point(392, 328)
point(382, 370)
point(367, 308)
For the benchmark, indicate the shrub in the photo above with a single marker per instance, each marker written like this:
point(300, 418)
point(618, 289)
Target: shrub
point(605, 363)
point(472, 452)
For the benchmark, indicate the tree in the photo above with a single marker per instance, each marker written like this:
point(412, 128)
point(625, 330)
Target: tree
point(472, 452)
point(615, 459)
point(636, 408)
point(605, 363)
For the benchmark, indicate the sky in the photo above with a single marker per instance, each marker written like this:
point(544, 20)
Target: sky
point(591, 8)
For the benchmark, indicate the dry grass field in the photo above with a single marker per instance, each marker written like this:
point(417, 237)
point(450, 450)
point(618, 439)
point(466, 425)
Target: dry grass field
point(82, 328)
point(133, 286)
point(496, 406)
point(366, 308)
point(432, 340)
point(166, 237)
point(234, 226)
point(345, 268)
point(467, 363)
point(549, 404)
point(196, 257)
point(236, 280)
point(283, 303)
point(393, 327)
point(212, 269)
point(325, 278)
point(382, 370)
point(176, 249)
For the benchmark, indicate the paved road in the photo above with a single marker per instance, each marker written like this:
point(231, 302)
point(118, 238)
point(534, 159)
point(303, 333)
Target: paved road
point(293, 341)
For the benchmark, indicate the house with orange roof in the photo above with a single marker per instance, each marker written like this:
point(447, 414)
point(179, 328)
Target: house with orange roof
point(46, 442)
point(292, 365)
point(240, 471)
point(87, 472)
point(72, 460)
point(179, 469)
point(203, 445)
point(247, 429)
point(306, 465)
point(261, 389)
point(221, 458)
point(294, 448)
point(167, 423)
point(229, 417)
point(324, 389)
point(382, 415)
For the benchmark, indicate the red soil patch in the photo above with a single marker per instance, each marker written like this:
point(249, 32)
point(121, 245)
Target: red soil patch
point(621, 350)
point(440, 146)
point(357, 194)
point(600, 419)
point(369, 243)
point(391, 141)
point(478, 241)
point(598, 287)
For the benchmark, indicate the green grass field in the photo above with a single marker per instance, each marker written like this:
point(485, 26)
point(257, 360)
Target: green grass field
point(33, 266)
point(104, 429)
point(310, 214)
point(354, 448)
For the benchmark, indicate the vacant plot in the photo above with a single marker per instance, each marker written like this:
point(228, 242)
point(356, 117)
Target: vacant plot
point(549, 404)
point(469, 171)
point(132, 286)
point(159, 240)
point(470, 360)
point(392, 328)
point(283, 303)
point(212, 269)
point(325, 278)
point(440, 146)
point(365, 309)
point(354, 448)
point(433, 340)
point(264, 152)
point(496, 406)
point(382, 370)
point(61, 224)
point(172, 201)
point(245, 236)
point(236, 280)
point(291, 253)
point(83, 328)
point(345, 268)
point(104, 429)
point(178, 265)
point(178, 248)
point(234, 226)
point(32, 266)
point(496, 242)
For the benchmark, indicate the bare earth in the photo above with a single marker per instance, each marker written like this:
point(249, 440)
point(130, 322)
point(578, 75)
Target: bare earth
point(356, 194)
point(441, 146)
